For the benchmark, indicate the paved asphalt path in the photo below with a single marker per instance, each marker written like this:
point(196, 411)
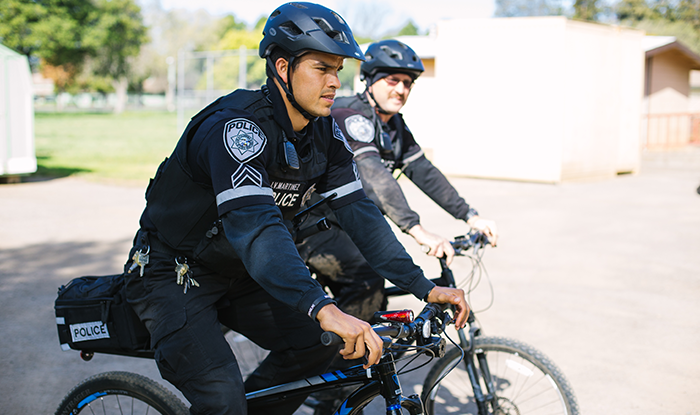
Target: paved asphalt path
point(603, 277)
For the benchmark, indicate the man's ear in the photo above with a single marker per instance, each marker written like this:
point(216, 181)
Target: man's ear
point(281, 66)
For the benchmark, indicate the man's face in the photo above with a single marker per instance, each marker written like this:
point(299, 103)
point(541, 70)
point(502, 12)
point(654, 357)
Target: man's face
point(315, 80)
point(391, 92)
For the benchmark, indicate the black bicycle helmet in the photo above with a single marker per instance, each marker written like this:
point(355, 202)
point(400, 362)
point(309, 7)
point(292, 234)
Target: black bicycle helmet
point(390, 56)
point(297, 28)
point(301, 27)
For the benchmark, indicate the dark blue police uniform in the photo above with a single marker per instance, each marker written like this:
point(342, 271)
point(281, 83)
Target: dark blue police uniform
point(218, 204)
point(380, 149)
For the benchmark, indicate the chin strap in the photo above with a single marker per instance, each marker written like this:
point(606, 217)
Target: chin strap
point(376, 104)
point(288, 91)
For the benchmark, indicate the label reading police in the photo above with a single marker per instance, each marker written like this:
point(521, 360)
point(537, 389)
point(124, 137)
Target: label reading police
point(286, 194)
point(243, 139)
point(89, 331)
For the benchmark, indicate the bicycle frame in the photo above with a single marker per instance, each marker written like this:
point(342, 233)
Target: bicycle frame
point(380, 379)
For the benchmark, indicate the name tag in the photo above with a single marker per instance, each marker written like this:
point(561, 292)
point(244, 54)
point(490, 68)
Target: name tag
point(89, 331)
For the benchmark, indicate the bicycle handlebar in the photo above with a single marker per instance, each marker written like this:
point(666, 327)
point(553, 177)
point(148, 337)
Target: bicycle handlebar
point(473, 239)
point(421, 326)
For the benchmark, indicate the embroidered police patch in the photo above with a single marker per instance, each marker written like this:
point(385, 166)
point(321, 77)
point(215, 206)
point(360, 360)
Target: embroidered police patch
point(246, 176)
point(243, 139)
point(359, 128)
point(338, 134)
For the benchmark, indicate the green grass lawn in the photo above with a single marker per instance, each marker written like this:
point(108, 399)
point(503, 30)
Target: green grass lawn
point(125, 148)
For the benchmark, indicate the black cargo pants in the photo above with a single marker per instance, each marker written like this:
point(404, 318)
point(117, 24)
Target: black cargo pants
point(191, 351)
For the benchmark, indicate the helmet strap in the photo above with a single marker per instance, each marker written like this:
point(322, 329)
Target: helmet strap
point(376, 104)
point(288, 89)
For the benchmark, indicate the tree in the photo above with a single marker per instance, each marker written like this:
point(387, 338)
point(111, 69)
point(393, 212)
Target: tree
point(586, 10)
point(519, 8)
point(226, 70)
point(635, 11)
point(689, 11)
point(366, 18)
point(47, 31)
point(664, 18)
point(114, 38)
point(409, 30)
point(227, 23)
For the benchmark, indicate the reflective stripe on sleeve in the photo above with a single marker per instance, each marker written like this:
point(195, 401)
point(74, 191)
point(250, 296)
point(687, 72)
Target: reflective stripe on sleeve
point(365, 150)
point(413, 157)
point(344, 190)
point(242, 191)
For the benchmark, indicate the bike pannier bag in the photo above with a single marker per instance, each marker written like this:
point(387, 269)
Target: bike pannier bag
point(92, 315)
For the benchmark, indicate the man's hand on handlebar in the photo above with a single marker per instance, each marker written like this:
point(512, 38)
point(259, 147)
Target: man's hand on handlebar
point(455, 296)
point(438, 245)
point(485, 226)
point(359, 338)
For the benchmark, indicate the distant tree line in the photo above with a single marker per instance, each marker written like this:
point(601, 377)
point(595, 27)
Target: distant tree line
point(68, 38)
point(679, 18)
point(118, 46)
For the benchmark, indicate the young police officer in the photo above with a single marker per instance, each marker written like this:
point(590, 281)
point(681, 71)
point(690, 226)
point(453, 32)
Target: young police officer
point(213, 246)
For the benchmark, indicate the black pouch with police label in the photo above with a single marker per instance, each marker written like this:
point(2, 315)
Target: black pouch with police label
point(92, 315)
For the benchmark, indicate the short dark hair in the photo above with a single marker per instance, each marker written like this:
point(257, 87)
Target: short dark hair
point(274, 57)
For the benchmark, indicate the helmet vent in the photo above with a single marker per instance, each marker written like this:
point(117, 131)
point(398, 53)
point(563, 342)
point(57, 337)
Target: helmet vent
point(290, 29)
point(336, 35)
point(298, 5)
point(392, 53)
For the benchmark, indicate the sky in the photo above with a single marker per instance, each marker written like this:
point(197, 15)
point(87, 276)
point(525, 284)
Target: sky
point(358, 13)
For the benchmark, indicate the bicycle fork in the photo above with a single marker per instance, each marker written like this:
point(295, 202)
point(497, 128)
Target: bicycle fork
point(467, 344)
point(472, 370)
point(385, 380)
point(391, 390)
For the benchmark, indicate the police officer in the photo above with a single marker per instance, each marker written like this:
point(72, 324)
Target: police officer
point(213, 246)
point(382, 145)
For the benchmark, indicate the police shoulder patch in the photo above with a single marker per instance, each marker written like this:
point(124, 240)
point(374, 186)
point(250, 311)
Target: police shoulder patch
point(338, 134)
point(359, 128)
point(243, 139)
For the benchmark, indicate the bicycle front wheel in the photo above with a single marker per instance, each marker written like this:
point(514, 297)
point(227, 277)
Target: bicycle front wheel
point(525, 382)
point(120, 393)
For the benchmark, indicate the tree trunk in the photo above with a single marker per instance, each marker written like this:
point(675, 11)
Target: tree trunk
point(120, 86)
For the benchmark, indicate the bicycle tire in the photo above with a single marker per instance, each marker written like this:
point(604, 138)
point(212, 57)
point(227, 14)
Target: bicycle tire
point(119, 393)
point(526, 382)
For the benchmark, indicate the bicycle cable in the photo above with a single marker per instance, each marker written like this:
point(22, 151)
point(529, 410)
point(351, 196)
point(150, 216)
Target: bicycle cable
point(447, 372)
point(470, 284)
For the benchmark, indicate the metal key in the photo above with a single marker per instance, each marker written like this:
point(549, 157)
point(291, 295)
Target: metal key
point(140, 259)
point(184, 275)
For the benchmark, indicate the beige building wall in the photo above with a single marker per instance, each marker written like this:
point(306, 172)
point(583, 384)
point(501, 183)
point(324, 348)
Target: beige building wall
point(669, 87)
point(537, 99)
point(669, 120)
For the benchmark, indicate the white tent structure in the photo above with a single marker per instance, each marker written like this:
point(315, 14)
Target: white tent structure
point(16, 115)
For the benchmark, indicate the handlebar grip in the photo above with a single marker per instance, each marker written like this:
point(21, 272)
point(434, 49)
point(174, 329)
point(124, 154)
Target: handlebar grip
point(429, 311)
point(328, 338)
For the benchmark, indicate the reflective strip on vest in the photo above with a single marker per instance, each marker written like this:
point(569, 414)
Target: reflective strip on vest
point(344, 190)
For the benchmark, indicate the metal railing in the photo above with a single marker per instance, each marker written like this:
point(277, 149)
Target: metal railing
point(667, 131)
